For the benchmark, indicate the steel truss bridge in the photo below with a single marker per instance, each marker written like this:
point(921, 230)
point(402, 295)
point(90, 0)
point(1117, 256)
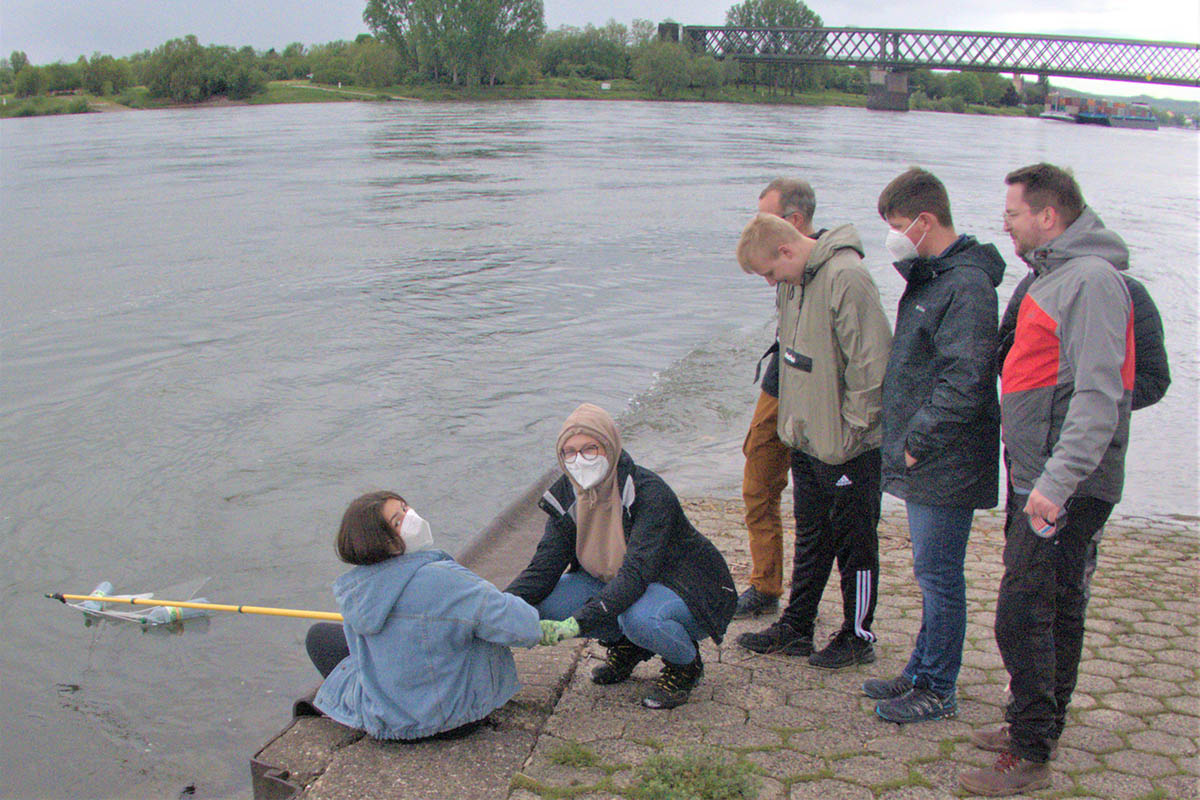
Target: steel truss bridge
point(897, 50)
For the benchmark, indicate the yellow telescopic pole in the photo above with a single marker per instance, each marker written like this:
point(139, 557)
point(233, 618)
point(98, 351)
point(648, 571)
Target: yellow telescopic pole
point(147, 601)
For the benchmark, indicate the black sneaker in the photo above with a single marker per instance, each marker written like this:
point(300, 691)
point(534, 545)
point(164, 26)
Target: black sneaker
point(879, 689)
point(844, 650)
point(778, 638)
point(623, 655)
point(674, 684)
point(752, 602)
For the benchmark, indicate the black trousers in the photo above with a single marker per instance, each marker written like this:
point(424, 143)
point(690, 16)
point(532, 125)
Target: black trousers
point(837, 517)
point(1040, 617)
point(326, 646)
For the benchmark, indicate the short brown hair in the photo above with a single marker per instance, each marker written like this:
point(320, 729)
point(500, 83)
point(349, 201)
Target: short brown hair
point(795, 197)
point(365, 537)
point(1047, 185)
point(914, 192)
point(761, 238)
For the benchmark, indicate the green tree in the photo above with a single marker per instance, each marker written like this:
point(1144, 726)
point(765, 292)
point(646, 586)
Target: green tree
point(29, 81)
point(965, 85)
point(375, 63)
point(186, 72)
point(18, 60)
point(772, 14)
point(705, 73)
point(590, 53)
point(782, 14)
point(61, 77)
point(331, 63)
point(661, 67)
point(931, 83)
point(463, 40)
point(177, 70)
point(994, 88)
point(641, 32)
point(103, 75)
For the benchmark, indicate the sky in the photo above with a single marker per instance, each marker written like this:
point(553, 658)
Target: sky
point(49, 32)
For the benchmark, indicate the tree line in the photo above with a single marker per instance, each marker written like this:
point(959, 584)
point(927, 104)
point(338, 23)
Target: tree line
point(472, 43)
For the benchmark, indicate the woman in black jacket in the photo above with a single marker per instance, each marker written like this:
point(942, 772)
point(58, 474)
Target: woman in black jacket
point(620, 562)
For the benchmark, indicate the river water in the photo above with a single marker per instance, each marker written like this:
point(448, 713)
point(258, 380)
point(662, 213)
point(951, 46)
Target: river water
point(219, 326)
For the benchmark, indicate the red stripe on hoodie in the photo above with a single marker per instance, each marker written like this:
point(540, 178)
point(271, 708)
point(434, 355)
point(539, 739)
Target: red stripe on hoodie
point(1032, 363)
point(1128, 368)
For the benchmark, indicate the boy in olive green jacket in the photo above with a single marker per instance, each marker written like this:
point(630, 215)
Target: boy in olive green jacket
point(834, 341)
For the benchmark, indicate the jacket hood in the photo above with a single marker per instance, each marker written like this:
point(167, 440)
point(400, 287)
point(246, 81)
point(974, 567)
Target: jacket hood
point(839, 238)
point(966, 251)
point(367, 593)
point(1087, 236)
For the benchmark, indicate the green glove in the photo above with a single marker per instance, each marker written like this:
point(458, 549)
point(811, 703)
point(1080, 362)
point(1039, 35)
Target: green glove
point(554, 632)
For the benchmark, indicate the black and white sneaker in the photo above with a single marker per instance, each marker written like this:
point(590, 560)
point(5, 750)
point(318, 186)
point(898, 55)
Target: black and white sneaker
point(844, 650)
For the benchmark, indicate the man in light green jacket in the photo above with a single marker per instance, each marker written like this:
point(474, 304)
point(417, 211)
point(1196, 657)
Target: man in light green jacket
point(834, 342)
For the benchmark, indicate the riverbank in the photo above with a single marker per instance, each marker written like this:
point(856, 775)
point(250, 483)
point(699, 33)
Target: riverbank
point(304, 91)
point(772, 727)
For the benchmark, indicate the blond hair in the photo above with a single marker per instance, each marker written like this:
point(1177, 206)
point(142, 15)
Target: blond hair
point(761, 238)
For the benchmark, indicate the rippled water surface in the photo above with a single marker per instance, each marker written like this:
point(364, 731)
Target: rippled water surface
point(218, 326)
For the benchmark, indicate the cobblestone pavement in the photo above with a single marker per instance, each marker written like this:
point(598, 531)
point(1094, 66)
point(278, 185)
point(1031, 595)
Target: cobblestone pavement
point(1134, 725)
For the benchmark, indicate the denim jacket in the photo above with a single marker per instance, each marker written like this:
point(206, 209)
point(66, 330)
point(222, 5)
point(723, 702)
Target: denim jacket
point(429, 646)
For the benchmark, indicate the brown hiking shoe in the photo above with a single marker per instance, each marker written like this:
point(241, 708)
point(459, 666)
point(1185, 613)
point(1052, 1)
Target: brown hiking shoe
point(998, 741)
point(1011, 774)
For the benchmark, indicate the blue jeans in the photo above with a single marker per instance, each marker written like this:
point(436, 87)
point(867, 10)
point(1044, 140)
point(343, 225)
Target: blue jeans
point(659, 620)
point(939, 541)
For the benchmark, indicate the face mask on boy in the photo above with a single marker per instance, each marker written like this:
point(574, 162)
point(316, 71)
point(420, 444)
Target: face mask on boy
point(899, 245)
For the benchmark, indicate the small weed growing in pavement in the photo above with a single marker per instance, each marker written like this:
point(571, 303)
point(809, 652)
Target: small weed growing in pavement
point(693, 777)
point(572, 754)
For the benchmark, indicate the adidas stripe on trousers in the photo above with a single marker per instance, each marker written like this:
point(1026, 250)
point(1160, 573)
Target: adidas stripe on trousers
point(837, 516)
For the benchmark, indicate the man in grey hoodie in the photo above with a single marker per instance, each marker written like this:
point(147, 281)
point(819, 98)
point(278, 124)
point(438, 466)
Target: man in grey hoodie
point(1066, 391)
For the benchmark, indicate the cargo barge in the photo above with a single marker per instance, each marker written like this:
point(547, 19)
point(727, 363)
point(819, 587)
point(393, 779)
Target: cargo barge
point(1089, 111)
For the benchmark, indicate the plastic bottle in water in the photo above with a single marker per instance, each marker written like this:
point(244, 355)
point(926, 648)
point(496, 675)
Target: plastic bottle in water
point(161, 615)
point(103, 589)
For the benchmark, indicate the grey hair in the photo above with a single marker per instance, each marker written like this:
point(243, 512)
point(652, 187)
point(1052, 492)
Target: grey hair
point(795, 197)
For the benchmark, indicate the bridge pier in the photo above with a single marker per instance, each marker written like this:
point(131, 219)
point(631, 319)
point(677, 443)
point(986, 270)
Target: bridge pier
point(887, 90)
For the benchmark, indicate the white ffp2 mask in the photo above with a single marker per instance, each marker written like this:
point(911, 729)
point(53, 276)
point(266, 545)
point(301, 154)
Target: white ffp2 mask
point(415, 532)
point(588, 473)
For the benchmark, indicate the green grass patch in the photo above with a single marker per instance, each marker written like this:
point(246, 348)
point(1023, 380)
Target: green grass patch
point(572, 754)
point(693, 777)
point(653, 744)
point(42, 106)
point(913, 778)
point(520, 781)
point(1154, 794)
point(292, 92)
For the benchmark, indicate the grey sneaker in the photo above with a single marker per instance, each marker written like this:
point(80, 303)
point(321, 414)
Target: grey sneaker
point(879, 689)
point(752, 603)
point(918, 705)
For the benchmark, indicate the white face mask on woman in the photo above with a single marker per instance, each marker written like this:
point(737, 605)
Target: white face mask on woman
point(588, 472)
point(415, 533)
point(899, 245)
